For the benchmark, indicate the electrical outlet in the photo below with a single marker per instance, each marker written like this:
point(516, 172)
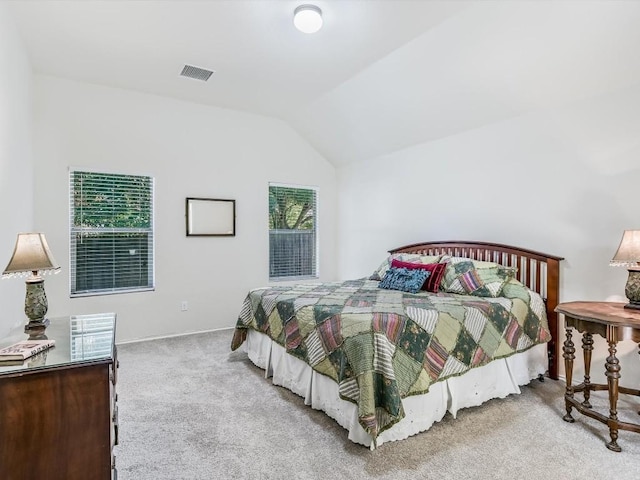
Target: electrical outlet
point(184, 306)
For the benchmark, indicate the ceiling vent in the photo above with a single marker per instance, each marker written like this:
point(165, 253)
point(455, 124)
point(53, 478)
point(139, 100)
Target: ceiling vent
point(197, 73)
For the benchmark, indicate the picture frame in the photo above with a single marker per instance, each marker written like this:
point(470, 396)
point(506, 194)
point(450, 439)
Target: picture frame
point(210, 217)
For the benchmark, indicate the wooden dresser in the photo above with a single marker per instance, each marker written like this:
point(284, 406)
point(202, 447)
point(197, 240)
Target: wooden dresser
point(58, 412)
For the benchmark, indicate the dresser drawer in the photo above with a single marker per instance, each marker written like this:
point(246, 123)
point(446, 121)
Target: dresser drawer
point(46, 401)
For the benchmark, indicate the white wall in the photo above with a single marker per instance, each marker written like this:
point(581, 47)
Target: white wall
point(191, 150)
point(561, 181)
point(16, 183)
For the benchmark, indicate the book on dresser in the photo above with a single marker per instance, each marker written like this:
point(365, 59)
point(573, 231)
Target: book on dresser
point(22, 350)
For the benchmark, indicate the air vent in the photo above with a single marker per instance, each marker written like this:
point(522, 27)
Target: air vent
point(197, 73)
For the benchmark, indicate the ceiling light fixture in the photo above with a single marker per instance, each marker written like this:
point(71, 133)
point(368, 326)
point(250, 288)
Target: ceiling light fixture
point(307, 18)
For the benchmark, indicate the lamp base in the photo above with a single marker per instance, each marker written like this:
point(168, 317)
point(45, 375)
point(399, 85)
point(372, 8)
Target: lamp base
point(36, 329)
point(35, 307)
point(632, 289)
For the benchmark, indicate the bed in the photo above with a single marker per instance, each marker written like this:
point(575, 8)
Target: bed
point(385, 363)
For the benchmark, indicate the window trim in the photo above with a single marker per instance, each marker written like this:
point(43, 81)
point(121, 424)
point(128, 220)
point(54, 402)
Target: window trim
point(74, 230)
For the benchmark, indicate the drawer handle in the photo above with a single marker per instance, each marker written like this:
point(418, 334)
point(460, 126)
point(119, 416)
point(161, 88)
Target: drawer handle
point(115, 426)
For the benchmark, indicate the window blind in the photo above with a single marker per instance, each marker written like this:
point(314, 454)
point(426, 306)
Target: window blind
point(293, 252)
point(111, 233)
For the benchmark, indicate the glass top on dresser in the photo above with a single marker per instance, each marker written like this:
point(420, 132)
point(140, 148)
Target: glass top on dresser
point(79, 338)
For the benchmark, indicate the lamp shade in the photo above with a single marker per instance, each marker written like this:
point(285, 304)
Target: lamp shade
point(628, 254)
point(307, 18)
point(31, 254)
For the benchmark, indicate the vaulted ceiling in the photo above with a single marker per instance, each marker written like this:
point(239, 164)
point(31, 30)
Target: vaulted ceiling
point(381, 75)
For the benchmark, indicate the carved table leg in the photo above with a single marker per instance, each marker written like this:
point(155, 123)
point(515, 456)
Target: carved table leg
point(568, 351)
point(613, 374)
point(587, 348)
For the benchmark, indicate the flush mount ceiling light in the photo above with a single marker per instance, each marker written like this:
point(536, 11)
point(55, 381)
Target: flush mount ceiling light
point(307, 18)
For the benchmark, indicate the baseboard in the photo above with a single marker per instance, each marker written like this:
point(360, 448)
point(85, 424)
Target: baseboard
point(160, 337)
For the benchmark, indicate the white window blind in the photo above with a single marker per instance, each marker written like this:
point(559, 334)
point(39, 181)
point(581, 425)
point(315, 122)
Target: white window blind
point(111, 233)
point(293, 252)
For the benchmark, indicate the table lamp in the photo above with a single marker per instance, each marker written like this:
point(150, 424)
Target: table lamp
point(31, 255)
point(628, 255)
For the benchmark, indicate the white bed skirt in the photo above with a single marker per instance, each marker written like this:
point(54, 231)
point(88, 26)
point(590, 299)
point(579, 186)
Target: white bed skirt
point(496, 380)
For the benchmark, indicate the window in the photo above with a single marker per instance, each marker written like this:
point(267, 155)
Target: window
point(111, 233)
point(292, 232)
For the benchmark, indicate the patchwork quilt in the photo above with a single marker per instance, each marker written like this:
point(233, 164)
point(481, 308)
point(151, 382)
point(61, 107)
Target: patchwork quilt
point(383, 345)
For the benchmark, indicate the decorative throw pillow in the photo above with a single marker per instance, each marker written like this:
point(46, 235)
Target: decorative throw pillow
point(472, 277)
point(480, 264)
point(476, 263)
point(379, 272)
point(436, 270)
point(404, 279)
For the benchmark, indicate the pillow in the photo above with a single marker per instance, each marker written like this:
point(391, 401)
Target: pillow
point(432, 284)
point(480, 264)
point(476, 263)
point(404, 279)
point(405, 257)
point(473, 277)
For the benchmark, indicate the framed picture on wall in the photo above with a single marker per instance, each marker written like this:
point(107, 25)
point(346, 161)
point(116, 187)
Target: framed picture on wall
point(210, 217)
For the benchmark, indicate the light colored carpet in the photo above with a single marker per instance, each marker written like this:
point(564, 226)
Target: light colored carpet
point(190, 408)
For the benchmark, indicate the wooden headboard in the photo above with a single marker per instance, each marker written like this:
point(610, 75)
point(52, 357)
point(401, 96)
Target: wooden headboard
point(538, 271)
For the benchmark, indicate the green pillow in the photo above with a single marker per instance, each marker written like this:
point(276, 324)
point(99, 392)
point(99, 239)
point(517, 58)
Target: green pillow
point(472, 277)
